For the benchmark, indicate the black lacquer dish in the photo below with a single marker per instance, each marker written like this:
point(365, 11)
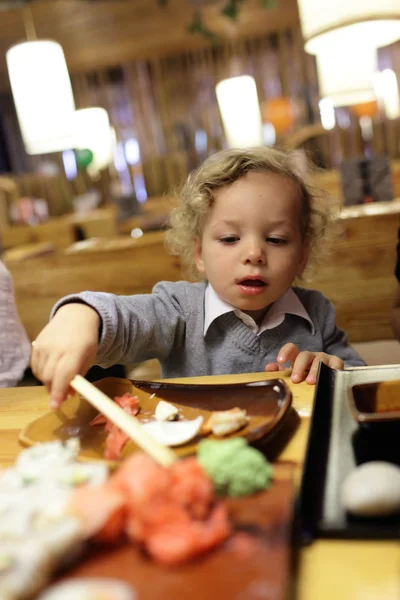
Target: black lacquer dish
point(337, 444)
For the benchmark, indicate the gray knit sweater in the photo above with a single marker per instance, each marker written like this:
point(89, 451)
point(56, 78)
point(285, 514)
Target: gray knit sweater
point(168, 324)
point(15, 349)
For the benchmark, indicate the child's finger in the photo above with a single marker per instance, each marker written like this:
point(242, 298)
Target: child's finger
point(48, 370)
point(302, 365)
point(312, 375)
point(288, 352)
point(270, 367)
point(335, 362)
point(66, 368)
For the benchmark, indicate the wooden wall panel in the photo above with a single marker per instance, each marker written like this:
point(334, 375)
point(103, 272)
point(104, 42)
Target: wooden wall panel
point(110, 32)
point(357, 277)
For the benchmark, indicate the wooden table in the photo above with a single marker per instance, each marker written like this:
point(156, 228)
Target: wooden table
point(327, 570)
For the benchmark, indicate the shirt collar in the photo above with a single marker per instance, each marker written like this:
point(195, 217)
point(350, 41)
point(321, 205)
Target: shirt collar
point(289, 303)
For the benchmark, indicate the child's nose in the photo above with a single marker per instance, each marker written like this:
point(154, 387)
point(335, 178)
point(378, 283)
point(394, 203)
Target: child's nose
point(255, 255)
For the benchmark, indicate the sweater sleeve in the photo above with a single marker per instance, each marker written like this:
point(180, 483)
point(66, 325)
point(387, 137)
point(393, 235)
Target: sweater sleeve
point(335, 339)
point(15, 348)
point(137, 328)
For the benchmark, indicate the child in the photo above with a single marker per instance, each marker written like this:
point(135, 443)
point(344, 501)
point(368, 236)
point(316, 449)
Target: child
point(247, 223)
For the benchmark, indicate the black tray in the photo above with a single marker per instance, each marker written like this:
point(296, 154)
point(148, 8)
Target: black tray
point(336, 445)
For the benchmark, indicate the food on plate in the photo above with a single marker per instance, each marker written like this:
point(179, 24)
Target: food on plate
point(165, 411)
point(36, 461)
point(52, 465)
point(36, 532)
point(90, 588)
point(130, 404)
point(235, 468)
point(372, 490)
point(29, 561)
point(172, 513)
point(116, 439)
point(224, 422)
point(25, 569)
point(174, 433)
point(106, 522)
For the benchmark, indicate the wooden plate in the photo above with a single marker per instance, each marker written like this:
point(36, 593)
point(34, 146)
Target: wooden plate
point(267, 402)
point(253, 565)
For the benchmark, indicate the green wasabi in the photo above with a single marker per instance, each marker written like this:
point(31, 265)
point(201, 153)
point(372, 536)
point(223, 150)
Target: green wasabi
point(235, 468)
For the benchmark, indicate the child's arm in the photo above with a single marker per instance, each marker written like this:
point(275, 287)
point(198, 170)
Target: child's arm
point(65, 347)
point(133, 329)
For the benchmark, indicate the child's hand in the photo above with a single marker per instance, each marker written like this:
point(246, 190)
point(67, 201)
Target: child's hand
point(304, 364)
point(67, 346)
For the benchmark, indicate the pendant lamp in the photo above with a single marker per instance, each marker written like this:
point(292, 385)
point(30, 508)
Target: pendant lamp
point(42, 92)
point(240, 111)
point(345, 36)
point(92, 131)
point(387, 93)
point(367, 21)
point(346, 77)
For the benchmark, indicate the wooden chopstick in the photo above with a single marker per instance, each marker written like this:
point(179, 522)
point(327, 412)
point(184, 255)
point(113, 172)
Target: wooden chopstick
point(129, 424)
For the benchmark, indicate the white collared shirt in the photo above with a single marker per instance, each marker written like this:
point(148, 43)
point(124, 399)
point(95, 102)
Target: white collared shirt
point(289, 303)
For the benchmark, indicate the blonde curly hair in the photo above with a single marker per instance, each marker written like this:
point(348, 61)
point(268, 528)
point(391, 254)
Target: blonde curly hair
point(224, 168)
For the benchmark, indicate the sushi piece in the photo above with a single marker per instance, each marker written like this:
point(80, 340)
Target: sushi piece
point(27, 564)
point(225, 422)
point(33, 462)
point(166, 411)
point(15, 517)
point(24, 569)
point(62, 539)
point(90, 588)
point(10, 480)
point(76, 474)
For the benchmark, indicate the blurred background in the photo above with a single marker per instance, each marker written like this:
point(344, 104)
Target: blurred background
point(106, 106)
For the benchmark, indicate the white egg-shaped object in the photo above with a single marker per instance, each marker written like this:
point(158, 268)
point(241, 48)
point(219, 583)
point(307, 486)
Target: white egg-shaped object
point(372, 490)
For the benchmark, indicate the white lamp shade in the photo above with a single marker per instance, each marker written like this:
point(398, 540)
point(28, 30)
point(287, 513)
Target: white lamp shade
point(240, 111)
point(42, 94)
point(369, 20)
point(91, 130)
point(387, 93)
point(346, 75)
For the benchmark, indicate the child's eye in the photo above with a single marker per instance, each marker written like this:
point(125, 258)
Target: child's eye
point(277, 241)
point(228, 239)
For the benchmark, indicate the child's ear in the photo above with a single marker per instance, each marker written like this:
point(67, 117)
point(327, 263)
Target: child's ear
point(198, 255)
point(305, 255)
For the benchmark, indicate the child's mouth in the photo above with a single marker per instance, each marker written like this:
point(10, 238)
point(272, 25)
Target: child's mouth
point(252, 286)
point(252, 283)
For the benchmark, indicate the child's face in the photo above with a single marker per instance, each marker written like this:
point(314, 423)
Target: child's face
point(251, 247)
